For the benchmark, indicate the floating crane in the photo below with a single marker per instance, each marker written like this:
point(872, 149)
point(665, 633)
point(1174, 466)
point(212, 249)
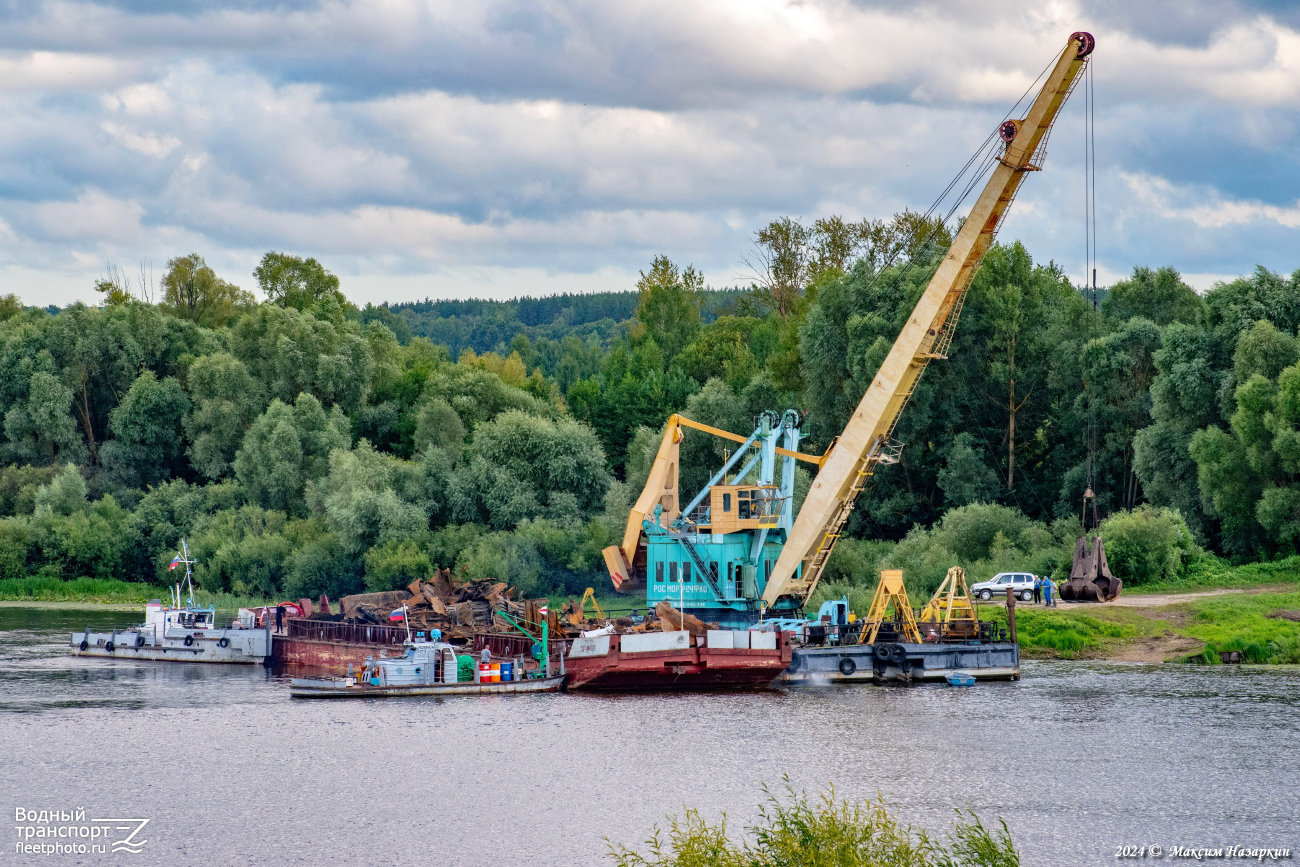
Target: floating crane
point(866, 441)
point(736, 550)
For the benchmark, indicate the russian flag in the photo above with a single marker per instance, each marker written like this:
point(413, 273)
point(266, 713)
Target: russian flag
point(175, 563)
point(399, 614)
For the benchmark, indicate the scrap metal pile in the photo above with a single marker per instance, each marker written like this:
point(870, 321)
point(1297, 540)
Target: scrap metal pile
point(662, 618)
point(459, 609)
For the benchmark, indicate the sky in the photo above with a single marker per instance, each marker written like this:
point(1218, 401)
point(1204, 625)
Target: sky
point(496, 149)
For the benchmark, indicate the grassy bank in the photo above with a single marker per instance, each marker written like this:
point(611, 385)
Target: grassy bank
point(1210, 573)
point(1263, 626)
point(41, 589)
point(1069, 634)
point(78, 590)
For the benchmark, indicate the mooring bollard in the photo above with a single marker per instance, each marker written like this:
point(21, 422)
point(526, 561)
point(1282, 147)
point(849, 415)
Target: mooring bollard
point(1011, 614)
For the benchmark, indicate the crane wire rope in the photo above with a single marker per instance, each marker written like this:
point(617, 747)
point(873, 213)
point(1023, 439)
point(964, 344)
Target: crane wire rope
point(1090, 279)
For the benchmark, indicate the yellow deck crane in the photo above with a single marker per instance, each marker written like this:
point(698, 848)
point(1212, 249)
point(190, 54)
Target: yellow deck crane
point(866, 441)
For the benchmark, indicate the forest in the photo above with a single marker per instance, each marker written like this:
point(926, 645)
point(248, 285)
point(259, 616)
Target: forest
point(302, 445)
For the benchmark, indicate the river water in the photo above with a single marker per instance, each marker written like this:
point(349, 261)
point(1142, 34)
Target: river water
point(1078, 758)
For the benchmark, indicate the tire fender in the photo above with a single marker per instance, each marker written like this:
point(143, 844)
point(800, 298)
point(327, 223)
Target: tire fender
point(189, 641)
point(848, 666)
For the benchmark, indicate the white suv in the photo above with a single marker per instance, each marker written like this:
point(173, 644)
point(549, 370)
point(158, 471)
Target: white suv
point(1021, 584)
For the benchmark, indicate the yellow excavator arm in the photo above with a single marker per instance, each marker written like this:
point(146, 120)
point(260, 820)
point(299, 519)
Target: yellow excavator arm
point(865, 442)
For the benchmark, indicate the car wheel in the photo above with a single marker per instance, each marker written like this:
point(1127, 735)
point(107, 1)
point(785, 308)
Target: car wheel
point(986, 595)
point(1026, 596)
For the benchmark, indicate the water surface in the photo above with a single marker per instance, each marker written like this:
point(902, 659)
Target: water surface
point(1078, 758)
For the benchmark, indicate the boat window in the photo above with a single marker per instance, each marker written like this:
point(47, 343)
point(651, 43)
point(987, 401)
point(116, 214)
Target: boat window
point(686, 573)
point(672, 572)
point(726, 502)
point(659, 573)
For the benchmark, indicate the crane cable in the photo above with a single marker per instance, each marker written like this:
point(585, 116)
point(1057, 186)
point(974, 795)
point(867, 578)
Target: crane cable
point(1090, 272)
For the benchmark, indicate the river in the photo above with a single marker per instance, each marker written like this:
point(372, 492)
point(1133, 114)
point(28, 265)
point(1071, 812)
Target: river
point(1079, 758)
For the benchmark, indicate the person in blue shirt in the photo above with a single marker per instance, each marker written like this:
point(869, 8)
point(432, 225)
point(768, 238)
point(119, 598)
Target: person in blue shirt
point(1038, 589)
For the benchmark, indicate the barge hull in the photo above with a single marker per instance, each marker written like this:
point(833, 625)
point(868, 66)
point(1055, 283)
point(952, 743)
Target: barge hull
point(684, 669)
point(920, 662)
point(243, 646)
point(336, 688)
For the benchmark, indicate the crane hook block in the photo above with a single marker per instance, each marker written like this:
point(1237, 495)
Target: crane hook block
point(1086, 42)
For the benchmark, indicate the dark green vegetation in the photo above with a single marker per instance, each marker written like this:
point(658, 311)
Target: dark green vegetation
point(828, 831)
point(303, 446)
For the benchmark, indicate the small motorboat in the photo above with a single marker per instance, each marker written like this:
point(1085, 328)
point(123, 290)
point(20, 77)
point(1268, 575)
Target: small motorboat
point(960, 678)
point(428, 667)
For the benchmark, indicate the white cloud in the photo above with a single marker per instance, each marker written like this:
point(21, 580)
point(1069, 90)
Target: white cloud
point(94, 216)
point(1206, 207)
point(147, 143)
point(44, 71)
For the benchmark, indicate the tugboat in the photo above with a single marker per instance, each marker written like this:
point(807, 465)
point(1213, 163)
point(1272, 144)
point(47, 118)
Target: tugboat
point(428, 667)
point(178, 632)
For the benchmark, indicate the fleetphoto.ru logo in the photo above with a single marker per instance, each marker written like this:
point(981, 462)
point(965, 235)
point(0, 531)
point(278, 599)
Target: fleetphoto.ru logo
point(69, 832)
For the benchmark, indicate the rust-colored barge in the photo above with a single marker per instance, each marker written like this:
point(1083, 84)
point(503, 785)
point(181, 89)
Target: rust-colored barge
point(676, 661)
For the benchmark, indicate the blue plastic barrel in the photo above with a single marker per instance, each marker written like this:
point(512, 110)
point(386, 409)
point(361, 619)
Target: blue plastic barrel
point(507, 671)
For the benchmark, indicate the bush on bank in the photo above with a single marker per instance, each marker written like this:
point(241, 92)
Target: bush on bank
point(830, 831)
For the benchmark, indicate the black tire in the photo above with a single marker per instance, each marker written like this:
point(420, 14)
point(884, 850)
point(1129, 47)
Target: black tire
point(223, 642)
point(110, 646)
point(139, 641)
point(84, 644)
point(881, 652)
point(847, 666)
point(986, 595)
point(189, 641)
point(897, 654)
point(1026, 596)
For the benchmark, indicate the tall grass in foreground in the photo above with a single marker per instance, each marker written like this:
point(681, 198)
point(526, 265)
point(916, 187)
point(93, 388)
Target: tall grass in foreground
point(828, 832)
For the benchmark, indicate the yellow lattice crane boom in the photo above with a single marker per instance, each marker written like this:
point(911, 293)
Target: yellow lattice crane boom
point(866, 442)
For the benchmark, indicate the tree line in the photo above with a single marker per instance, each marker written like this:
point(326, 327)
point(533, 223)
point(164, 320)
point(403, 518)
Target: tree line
point(303, 445)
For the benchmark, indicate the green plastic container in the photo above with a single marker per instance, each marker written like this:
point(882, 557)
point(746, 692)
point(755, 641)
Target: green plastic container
point(464, 668)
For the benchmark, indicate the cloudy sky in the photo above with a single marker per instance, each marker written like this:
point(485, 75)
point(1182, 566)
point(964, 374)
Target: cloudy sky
point(421, 148)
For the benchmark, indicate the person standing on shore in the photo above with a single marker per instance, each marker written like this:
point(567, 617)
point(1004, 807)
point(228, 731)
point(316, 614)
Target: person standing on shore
point(1038, 589)
point(1047, 593)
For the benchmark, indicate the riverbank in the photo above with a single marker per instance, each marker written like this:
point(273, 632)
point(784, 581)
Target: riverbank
point(1261, 622)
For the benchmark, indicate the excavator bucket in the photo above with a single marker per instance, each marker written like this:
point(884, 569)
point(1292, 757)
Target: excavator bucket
point(1090, 577)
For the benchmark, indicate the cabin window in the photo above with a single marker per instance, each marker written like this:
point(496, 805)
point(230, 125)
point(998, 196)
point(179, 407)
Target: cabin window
point(672, 573)
point(713, 571)
point(686, 573)
point(659, 573)
point(767, 569)
point(726, 502)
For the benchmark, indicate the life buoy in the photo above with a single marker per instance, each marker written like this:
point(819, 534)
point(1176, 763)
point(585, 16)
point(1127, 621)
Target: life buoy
point(224, 642)
point(189, 641)
point(84, 644)
point(847, 666)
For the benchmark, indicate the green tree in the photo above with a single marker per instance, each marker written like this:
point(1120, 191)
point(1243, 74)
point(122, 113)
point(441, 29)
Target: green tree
point(147, 432)
point(370, 498)
point(302, 284)
point(668, 309)
point(395, 564)
point(64, 495)
point(193, 291)
point(293, 352)
point(1158, 295)
point(41, 430)
point(286, 447)
point(521, 466)
point(1147, 544)
point(226, 399)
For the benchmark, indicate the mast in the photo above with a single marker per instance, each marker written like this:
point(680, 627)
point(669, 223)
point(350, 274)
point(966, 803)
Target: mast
point(865, 442)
